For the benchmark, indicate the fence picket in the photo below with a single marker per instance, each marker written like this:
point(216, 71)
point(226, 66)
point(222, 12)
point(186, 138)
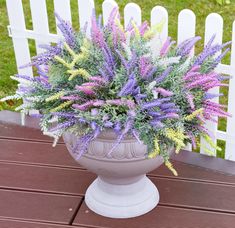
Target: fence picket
point(40, 21)
point(107, 8)
point(20, 43)
point(186, 26)
point(132, 12)
point(158, 15)
point(230, 138)
point(62, 8)
point(86, 10)
point(214, 25)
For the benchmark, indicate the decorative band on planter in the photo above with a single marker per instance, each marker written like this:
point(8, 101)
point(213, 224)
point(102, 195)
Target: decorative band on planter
point(123, 100)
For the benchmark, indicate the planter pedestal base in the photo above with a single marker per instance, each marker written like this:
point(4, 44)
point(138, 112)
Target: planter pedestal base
point(122, 200)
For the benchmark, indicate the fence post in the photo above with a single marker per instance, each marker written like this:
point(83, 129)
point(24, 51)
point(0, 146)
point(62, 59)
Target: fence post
point(214, 25)
point(40, 21)
point(86, 9)
point(230, 139)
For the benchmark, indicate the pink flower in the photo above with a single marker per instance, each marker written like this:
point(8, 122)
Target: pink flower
point(164, 92)
point(85, 89)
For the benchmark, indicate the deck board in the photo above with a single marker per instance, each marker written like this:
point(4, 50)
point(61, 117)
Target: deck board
point(38, 153)
point(8, 223)
point(38, 206)
point(160, 217)
point(44, 179)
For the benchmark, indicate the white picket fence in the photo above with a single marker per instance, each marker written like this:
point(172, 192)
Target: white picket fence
point(186, 29)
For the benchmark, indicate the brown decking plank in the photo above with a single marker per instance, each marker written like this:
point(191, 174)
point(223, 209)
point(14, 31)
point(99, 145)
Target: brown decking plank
point(35, 153)
point(193, 172)
point(209, 162)
point(7, 223)
point(160, 217)
point(175, 192)
point(197, 195)
point(44, 179)
point(37, 206)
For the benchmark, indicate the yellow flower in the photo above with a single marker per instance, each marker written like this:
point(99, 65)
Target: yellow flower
point(62, 61)
point(155, 29)
point(55, 96)
point(76, 57)
point(156, 150)
point(210, 142)
point(136, 29)
point(194, 114)
point(177, 136)
point(81, 71)
point(61, 106)
point(119, 25)
point(171, 168)
point(71, 52)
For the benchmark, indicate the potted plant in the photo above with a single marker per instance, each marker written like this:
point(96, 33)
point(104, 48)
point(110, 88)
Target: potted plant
point(123, 101)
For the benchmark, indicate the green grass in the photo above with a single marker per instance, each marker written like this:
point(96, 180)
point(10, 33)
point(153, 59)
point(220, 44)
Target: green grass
point(201, 8)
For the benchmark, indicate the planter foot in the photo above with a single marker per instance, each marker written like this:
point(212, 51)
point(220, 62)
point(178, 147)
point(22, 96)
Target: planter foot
point(122, 201)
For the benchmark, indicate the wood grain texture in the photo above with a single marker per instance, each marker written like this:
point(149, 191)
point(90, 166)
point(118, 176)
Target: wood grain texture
point(194, 173)
point(173, 192)
point(160, 217)
point(8, 223)
point(44, 179)
point(197, 195)
point(35, 153)
point(37, 206)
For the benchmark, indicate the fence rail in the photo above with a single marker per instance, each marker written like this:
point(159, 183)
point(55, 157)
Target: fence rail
point(186, 29)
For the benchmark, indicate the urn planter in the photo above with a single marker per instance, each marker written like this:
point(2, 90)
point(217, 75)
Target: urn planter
point(122, 189)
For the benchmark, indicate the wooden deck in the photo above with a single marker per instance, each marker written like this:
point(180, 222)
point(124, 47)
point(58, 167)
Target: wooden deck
point(42, 187)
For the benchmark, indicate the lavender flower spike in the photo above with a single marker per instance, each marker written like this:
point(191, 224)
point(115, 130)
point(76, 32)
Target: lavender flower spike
point(164, 74)
point(129, 86)
point(67, 31)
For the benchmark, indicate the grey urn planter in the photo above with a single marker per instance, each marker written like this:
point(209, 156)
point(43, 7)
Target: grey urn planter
point(121, 189)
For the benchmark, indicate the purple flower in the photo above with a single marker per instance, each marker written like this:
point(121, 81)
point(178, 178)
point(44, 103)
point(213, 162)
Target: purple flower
point(187, 47)
point(143, 28)
point(108, 124)
point(94, 112)
point(67, 30)
point(164, 74)
point(127, 127)
point(123, 60)
point(166, 46)
point(96, 33)
point(129, 87)
point(117, 127)
point(156, 123)
point(190, 100)
point(64, 125)
point(166, 116)
point(135, 133)
point(219, 58)
point(45, 57)
point(212, 50)
point(209, 96)
point(154, 103)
